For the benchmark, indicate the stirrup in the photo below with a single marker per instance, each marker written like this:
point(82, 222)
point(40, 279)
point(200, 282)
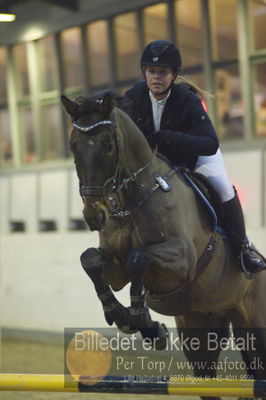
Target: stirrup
point(249, 274)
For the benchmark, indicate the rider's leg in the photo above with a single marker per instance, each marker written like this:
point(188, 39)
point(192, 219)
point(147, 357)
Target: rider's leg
point(213, 168)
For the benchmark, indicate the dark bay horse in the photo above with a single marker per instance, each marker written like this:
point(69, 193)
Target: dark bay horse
point(156, 234)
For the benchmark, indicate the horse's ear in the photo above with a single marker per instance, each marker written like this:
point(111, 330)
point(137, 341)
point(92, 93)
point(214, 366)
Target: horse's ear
point(107, 105)
point(69, 105)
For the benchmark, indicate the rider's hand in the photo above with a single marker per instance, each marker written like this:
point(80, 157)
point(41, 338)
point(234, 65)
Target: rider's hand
point(169, 141)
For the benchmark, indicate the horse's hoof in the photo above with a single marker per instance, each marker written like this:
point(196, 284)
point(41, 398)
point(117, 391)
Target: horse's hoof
point(127, 329)
point(158, 333)
point(118, 314)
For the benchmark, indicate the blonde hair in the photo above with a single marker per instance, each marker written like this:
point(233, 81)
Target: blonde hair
point(203, 94)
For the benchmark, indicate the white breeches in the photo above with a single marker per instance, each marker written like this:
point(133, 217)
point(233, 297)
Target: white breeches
point(213, 168)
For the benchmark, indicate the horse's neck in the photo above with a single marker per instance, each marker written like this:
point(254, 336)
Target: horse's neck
point(134, 148)
point(135, 153)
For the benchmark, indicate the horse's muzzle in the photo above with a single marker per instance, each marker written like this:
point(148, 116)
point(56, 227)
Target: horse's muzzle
point(96, 215)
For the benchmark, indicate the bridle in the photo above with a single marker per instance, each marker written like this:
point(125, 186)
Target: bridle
point(113, 185)
point(91, 127)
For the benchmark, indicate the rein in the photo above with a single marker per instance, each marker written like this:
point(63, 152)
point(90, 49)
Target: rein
point(116, 185)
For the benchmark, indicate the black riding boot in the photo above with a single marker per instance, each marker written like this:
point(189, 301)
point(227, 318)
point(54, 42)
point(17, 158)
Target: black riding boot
point(251, 261)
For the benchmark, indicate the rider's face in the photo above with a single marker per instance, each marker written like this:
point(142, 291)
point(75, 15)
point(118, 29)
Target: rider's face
point(158, 80)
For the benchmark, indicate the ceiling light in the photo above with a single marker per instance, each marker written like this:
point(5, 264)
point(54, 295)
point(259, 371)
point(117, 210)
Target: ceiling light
point(5, 14)
point(4, 17)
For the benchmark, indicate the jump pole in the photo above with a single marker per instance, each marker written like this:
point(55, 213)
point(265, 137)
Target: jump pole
point(138, 385)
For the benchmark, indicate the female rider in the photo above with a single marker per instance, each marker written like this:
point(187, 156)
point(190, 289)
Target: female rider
point(171, 115)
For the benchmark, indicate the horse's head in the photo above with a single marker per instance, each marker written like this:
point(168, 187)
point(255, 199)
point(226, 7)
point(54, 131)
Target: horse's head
point(94, 144)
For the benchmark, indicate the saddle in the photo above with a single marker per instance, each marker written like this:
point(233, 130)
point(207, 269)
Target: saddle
point(204, 189)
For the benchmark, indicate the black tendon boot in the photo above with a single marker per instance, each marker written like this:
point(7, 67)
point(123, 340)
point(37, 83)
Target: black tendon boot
point(251, 260)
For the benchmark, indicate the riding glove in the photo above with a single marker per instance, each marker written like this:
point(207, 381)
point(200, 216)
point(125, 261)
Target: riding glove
point(173, 143)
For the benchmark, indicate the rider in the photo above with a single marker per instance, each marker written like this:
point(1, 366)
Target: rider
point(171, 116)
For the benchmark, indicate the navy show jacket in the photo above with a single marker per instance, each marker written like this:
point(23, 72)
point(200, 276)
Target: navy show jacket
point(193, 135)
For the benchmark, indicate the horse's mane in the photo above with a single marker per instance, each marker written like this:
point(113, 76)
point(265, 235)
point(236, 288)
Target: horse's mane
point(91, 103)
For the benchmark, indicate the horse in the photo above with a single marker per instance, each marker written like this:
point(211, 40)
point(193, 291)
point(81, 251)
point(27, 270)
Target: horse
point(158, 236)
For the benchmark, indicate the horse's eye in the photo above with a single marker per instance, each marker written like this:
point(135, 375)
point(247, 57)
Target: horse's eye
point(109, 147)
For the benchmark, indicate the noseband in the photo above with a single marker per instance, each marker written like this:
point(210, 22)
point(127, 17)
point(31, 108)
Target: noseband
point(116, 186)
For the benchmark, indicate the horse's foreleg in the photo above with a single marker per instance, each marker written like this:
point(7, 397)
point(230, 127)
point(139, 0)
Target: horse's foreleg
point(93, 262)
point(136, 266)
point(139, 315)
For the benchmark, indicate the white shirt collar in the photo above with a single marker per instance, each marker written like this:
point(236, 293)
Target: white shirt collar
point(160, 103)
point(158, 109)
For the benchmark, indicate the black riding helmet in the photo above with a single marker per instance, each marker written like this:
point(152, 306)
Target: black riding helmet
point(161, 53)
